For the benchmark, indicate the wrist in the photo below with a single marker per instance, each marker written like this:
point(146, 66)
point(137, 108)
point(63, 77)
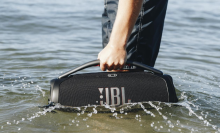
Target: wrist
point(117, 45)
point(118, 41)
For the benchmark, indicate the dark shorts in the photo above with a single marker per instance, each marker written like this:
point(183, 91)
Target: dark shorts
point(144, 42)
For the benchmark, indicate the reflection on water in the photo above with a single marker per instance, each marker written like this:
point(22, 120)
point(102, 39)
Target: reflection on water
point(41, 39)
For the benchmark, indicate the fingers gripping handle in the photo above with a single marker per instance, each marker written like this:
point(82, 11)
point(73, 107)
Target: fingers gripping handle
point(97, 62)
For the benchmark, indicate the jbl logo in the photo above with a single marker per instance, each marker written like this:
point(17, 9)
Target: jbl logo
point(117, 96)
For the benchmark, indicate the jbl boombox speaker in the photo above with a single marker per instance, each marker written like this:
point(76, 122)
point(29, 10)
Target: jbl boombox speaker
point(112, 88)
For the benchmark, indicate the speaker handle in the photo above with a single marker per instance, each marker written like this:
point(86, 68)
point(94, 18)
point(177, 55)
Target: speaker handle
point(97, 62)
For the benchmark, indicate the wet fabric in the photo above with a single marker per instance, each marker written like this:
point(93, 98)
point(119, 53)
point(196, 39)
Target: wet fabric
point(144, 42)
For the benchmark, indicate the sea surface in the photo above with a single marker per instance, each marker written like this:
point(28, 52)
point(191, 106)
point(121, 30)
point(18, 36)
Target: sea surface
point(41, 39)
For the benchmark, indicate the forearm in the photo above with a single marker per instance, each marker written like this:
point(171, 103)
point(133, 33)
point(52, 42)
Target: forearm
point(128, 11)
point(114, 55)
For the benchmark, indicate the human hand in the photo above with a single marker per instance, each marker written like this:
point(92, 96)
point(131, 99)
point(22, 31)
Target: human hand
point(112, 57)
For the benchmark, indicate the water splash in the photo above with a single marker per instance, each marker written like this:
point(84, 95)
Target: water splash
point(146, 107)
point(185, 103)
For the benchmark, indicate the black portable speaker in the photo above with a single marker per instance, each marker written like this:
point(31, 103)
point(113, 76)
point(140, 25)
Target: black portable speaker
point(112, 88)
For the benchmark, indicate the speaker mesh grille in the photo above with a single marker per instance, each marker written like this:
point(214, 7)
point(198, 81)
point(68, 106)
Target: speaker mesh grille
point(82, 89)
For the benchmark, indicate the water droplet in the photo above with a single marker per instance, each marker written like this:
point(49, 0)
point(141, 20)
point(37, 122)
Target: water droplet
point(207, 124)
point(152, 124)
point(164, 117)
point(95, 111)
point(122, 111)
point(90, 114)
point(115, 114)
point(190, 113)
point(113, 110)
point(214, 127)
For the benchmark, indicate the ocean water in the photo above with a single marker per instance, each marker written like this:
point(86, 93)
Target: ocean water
point(40, 39)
